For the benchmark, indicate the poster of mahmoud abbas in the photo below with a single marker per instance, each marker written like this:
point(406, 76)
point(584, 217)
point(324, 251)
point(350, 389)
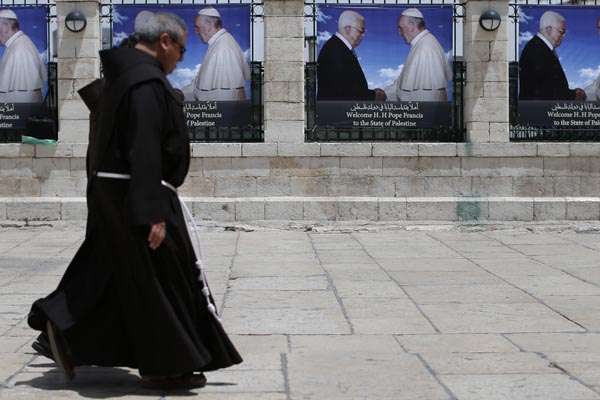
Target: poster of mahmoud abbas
point(23, 64)
point(387, 66)
point(214, 74)
point(559, 67)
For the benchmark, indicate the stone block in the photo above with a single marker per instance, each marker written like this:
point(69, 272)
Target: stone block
point(373, 186)
point(214, 210)
point(502, 166)
point(431, 209)
point(511, 209)
point(3, 216)
point(473, 31)
point(305, 166)
point(283, 209)
point(486, 110)
point(318, 210)
point(309, 186)
point(9, 150)
point(16, 168)
point(361, 166)
point(79, 68)
point(590, 186)
point(585, 149)
point(284, 132)
point(492, 186)
point(421, 166)
point(216, 150)
point(70, 47)
point(54, 150)
point(477, 51)
point(73, 109)
point(471, 210)
point(498, 150)
point(79, 149)
point(63, 186)
point(235, 187)
point(298, 149)
point(74, 131)
point(499, 132)
point(45, 168)
point(284, 27)
point(437, 149)
point(73, 209)
point(196, 167)
point(478, 136)
point(492, 71)
point(446, 186)
point(198, 186)
point(392, 209)
point(474, 90)
point(526, 186)
point(277, 91)
point(583, 208)
point(273, 186)
point(31, 209)
point(495, 89)
point(284, 48)
point(66, 89)
point(395, 149)
point(550, 209)
point(77, 167)
point(217, 167)
point(284, 71)
point(17, 186)
point(571, 166)
point(284, 111)
point(567, 186)
point(251, 166)
point(346, 149)
point(410, 186)
point(284, 8)
point(553, 149)
point(249, 209)
point(352, 209)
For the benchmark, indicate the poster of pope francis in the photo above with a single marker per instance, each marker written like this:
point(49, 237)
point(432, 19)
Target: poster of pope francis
point(23, 44)
point(384, 66)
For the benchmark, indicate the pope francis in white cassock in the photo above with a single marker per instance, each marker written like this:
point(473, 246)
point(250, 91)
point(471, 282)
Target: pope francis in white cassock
point(426, 72)
point(22, 72)
point(224, 70)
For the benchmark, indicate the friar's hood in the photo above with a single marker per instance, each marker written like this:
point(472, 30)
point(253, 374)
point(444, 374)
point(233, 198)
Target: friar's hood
point(115, 62)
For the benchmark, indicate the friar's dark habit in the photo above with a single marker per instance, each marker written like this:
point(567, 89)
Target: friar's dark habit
point(119, 302)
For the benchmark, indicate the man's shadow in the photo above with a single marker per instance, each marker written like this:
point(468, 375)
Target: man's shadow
point(95, 382)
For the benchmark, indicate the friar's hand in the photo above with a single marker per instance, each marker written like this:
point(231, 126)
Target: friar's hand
point(580, 94)
point(380, 95)
point(157, 235)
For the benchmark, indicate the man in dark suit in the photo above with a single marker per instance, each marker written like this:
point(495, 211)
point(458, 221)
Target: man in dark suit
point(339, 74)
point(542, 76)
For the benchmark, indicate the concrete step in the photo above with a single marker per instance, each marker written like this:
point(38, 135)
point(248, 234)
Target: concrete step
point(335, 208)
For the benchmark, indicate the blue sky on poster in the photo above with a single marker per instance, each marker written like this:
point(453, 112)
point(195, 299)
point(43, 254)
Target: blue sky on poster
point(383, 51)
point(579, 52)
point(236, 20)
point(33, 23)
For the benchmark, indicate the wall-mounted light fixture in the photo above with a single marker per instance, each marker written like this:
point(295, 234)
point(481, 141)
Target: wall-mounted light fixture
point(75, 21)
point(490, 20)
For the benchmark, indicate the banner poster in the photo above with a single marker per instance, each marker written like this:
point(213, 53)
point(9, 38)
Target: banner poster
point(559, 67)
point(214, 74)
point(384, 66)
point(23, 65)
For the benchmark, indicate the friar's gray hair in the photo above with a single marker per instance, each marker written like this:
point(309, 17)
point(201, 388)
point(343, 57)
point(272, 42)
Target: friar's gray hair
point(349, 18)
point(550, 18)
point(214, 21)
point(149, 26)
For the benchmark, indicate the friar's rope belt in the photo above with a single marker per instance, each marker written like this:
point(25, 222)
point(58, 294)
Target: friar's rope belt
point(192, 229)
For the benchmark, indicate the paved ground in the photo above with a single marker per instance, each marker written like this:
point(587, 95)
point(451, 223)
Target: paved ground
point(424, 314)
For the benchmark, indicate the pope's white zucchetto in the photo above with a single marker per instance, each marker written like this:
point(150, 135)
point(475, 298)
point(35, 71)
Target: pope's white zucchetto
point(8, 14)
point(210, 12)
point(412, 12)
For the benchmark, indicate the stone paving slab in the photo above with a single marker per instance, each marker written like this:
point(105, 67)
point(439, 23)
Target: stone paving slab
point(431, 313)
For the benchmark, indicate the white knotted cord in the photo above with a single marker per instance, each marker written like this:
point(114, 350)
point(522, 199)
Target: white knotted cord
point(192, 230)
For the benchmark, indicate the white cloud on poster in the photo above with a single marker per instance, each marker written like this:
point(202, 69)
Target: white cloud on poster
point(525, 37)
point(524, 18)
point(247, 55)
point(117, 18)
point(586, 76)
point(119, 37)
point(386, 76)
point(323, 36)
point(182, 77)
point(322, 17)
